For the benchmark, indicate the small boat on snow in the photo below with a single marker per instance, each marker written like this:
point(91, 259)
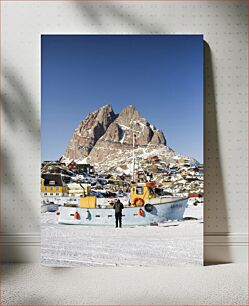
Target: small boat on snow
point(145, 208)
point(49, 207)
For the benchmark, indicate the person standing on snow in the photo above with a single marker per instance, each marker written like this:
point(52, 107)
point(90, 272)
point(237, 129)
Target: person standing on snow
point(118, 206)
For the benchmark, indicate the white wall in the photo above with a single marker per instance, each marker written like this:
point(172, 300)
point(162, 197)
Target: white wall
point(224, 25)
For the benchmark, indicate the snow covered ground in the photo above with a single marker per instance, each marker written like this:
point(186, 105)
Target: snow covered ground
point(171, 243)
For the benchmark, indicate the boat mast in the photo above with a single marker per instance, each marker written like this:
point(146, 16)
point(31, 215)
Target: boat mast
point(133, 148)
point(133, 156)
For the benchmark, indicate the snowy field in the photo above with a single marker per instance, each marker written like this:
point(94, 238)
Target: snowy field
point(171, 243)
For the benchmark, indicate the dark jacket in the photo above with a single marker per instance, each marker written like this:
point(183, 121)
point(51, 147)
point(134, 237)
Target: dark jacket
point(118, 206)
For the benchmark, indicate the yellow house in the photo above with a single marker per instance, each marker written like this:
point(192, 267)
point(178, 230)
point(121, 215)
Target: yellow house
point(184, 173)
point(167, 184)
point(77, 190)
point(53, 185)
point(58, 185)
point(181, 160)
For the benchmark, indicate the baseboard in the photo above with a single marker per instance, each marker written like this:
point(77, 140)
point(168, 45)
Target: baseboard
point(218, 247)
point(225, 247)
point(20, 247)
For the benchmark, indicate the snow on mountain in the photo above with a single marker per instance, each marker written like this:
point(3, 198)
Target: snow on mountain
point(105, 140)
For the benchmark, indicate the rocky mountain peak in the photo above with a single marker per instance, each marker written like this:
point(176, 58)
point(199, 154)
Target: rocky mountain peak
point(103, 133)
point(130, 115)
point(89, 131)
point(129, 111)
point(102, 113)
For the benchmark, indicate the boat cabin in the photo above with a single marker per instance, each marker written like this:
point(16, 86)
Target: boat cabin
point(141, 193)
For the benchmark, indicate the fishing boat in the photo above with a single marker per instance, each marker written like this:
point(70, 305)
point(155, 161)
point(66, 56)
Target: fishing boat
point(144, 208)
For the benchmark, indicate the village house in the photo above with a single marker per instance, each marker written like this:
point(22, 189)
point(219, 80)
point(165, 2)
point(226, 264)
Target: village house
point(53, 185)
point(81, 167)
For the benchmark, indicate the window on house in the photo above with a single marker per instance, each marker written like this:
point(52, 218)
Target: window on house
point(51, 188)
point(57, 187)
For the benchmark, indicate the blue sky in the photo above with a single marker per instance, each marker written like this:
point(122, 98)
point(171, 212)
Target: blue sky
point(162, 75)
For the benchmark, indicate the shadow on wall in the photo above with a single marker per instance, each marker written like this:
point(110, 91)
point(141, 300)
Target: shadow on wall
point(96, 13)
point(20, 118)
point(215, 210)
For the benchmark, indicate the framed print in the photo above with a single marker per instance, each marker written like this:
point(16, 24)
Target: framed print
point(122, 179)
